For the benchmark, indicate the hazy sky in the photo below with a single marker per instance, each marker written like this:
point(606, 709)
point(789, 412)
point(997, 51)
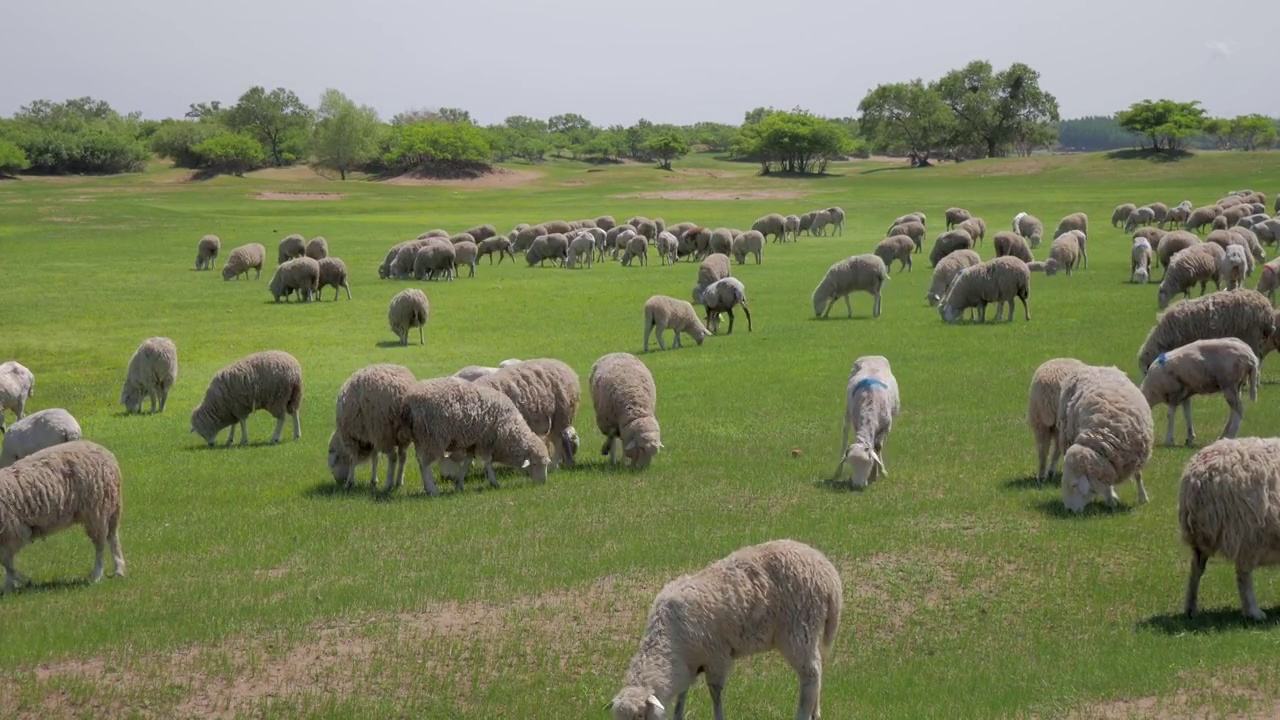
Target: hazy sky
point(675, 61)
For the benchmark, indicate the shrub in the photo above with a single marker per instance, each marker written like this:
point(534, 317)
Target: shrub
point(12, 159)
point(176, 140)
point(436, 147)
point(229, 152)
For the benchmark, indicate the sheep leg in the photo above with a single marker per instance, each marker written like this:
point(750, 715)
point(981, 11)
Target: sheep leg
point(661, 328)
point(1173, 416)
point(1248, 601)
point(1026, 311)
point(231, 436)
point(648, 328)
point(1042, 454)
point(98, 536)
point(716, 689)
point(1056, 456)
point(12, 579)
point(730, 322)
point(847, 306)
point(275, 436)
point(164, 397)
point(675, 342)
point(1199, 560)
point(1191, 431)
point(680, 702)
point(428, 477)
point(151, 395)
point(1232, 396)
point(297, 426)
point(488, 471)
point(1142, 488)
point(113, 541)
point(747, 312)
point(422, 338)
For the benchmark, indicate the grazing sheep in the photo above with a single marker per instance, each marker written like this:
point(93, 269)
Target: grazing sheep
point(437, 256)
point(771, 224)
point(333, 273)
point(1138, 218)
point(606, 222)
point(1074, 221)
point(625, 399)
point(1203, 367)
point(554, 247)
point(1270, 280)
point(895, 247)
point(857, 273)
point(582, 251)
point(1243, 314)
point(1105, 426)
point(36, 432)
point(1177, 217)
point(1012, 245)
point(781, 595)
point(368, 422)
point(946, 271)
point(1248, 221)
point(242, 260)
point(75, 483)
point(1200, 218)
point(1042, 411)
point(480, 233)
point(301, 274)
point(1227, 506)
point(1234, 267)
point(1268, 231)
point(1064, 253)
point(461, 238)
point(999, 280)
point(668, 248)
point(401, 266)
point(1196, 264)
point(1158, 211)
point(721, 241)
point(1140, 261)
point(955, 216)
point(750, 242)
point(207, 252)
point(871, 404)
point(434, 233)
point(806, 222)
point(317, 249)
point(722, 296)
point(525, 238)
point(497, 245)
point(292, 246)
point(558, 227)
point(1153, 236)
point(547, 393)
point(947, 243)
point(409, 309)
point(977, 229)
point(917, 217)
point(914, 230)
point(1121, 214)
point(648, 229)
point(637, 247)
point(471, 373)
point(269, 380)
point(1173, 243)
point(662, 312)
point(715, 267)
point(153, 370)
point(17, 385)
point(790, 228)
point(464, 253)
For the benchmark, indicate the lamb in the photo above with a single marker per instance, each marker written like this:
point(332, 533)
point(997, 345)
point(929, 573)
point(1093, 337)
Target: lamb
point(17, 385)
point(1227, 505)
point(1172, 243)
point(1234, 267)
point(292, 246)
point(497, 245)
point(1270, 280)
point(1121, 214)
point(75, 483)
point(1140, 261)
point(207, 252)
point(480, 233)
point(895, 247)
point(637, 247)
point(409, 309)
point(871, 404)
point(36, 432)
point(781, 595)
point(581, 251)
point(1105, 426)
point(625, 399)
point(269, 380)
point(1042, 411)
point(153, 370)
point(369, 421)
point(317, 249)
point(1074, 221)
point(1202, 367)
point(977, 229)
point(301, 274)
point(1196, 264)
point(999, 280)
point(450, 414)
point(1200, 218)
point(720, 297)
point(946, 271)
point(771, 224)
point(242, 260)
point(668, 248)
point(333, 273)
point(1013, 245)
point(662, 312)
point(914, 230)
point(949, 242)
point(955, 216)
point(437, 256)
point(790, 228)
point(750, 242)
point(464, 253)
point(1138, 218)
point(857, 273)
point(1243, 314)
point(547, 393)
point(715, 267)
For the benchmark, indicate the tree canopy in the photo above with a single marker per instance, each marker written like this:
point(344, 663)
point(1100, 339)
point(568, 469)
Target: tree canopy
point(346, 134)
point(1167, 124)
point(279, 120)
point(907, 118)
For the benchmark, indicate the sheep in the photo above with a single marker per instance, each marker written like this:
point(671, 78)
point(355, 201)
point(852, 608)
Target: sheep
point(301, 274)
point(1227, 505)
point(1013, 245)
point(856, 273)
point(242, 260)
point(1249, 221)
point(75, 483)
point(317, 249)
point(450, 414)
point(668, 247)
point(582, 251)
point(1074, 221)
point(771, 224)
point(659, 225)
point(1064, 253)
point(1172, 243)
point(269, 380)
point(895, 247)
point(369, 421)
point(1140, 261)
point(291, 246)
point(1158, 211)
point(625, 399)
point(1200, 218)
point(464, 253)
point(1105, 426)
point(409, 309)
point(721, 296)
point(471, 373)
point(721, 241)
point(554, 247)
point(153, 370)
point(1153, 236)
point(207, 252)
point(438, 255)
point(750, 242)
point(871, 404)
point(36, 432)
point(662, 312)
point(946, 270)
point(606, 222)
point(790, 228)
point(637, 247)
point(1121, 214)
point(1234, 267)
point(547, 393)
point(1042, 411)
point(1029, 227)
point(557, 227)
point(955, 216)
point(1203, 367)
point(648, 229)
point(947, 243)
point(525, 238)
point(1268, 231)
point(821, 219)
point(333, 273)
point(916, 217)
point(401, 266)
point(1244, 314)
point(999, 280)
point(1139, 217)
point(461, 238)
point(1196, 264)
point(714, 267)
point(1270, 280)
point(1177, 217)
point(836, 215)
point(914, 230)
point(496, 245)
point(806, 223)
point(434, 233)
point(781, 595)
point(480, 233)
point(17, 385)
point(977, 229)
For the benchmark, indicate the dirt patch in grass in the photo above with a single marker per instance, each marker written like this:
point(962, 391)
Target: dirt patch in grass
point(1223, 702)
point(714, 195)
point(302, 196)
point(499, 178)
point(698, 172)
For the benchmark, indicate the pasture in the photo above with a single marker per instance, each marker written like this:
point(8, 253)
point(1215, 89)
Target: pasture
point(256, 588)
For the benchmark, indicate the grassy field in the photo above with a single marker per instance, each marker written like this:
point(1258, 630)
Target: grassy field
point(256, 589)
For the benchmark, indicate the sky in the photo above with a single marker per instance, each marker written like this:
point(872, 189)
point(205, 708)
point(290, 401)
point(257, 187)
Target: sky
point(677, 61)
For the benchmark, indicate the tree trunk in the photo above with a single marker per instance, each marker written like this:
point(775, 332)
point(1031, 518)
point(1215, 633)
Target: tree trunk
point(992, 149)
point(343, 173)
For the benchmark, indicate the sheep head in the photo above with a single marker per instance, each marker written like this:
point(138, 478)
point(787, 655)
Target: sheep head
point(1142, 276)
point(636, 703)
point(1085, 475)
point(641, 441)
point(866, 464)
point(131, 398)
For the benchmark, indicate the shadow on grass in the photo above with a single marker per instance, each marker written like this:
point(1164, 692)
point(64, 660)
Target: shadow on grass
point(1055, 509)
point(840, 486)
point(59, 585)
point(1149, 155)
point(508, 478)
point(393, 344)
point(221, 444)
point(1029, 483)
point(1211, 621)
point(894, 169)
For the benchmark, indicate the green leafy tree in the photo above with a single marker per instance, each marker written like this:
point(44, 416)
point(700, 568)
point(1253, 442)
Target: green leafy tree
point(229, 152)
point(793, 142)
point(346, 134)
point(1167, 124)
point(908, 118)
point(81, 135)
point(715, 137)
point(571, 132)
point(176, 140)
point(1218, 131)
point(994, 110)
point(1253, 132)
point(414, 115)
point(437, 148)
point(278, 120)
point(1093, 133)
point(665, 147)
point(12, 159)
point(207, 111)
point(455, 115)
point(1035, 136)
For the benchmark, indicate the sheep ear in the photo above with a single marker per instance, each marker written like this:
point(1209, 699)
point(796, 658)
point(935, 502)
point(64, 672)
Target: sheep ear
point(630, 446)
point(525, 465)
point(875, 456)
point(653, 702)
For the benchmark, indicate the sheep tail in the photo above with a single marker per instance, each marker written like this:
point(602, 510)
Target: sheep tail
point(1253, 381)
point(832, 625)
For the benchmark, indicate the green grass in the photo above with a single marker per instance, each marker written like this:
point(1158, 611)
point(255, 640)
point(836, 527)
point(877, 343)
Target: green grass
point(256, 589)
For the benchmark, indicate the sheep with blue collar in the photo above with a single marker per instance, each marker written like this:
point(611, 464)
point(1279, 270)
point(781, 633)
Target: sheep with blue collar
point(871, 404)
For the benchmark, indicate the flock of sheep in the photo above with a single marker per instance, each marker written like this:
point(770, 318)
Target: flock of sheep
point(782, 595)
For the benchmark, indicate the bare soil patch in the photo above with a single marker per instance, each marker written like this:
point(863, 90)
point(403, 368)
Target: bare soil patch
point(698, 172)
point(714, 195)
point(301, 196)
point(499, 178)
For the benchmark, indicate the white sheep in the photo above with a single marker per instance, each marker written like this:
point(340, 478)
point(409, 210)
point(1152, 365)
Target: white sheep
point(291, 246)
point(436, 257)
point(914, 230)
point(242, 260)
point(857, 273)
point(781, 595)
point(637, 247)
point(871, 404)
point(662, 312)
point(333, 273)
point(1233, 267)
point(465, 253)
point(1121, 214)
point(301, 274)
point(790, 228)
point(1138, 218)
point(750, 242)
point(17, 385)
point(1031, 228)
point(998, 281)
point(955, 216)
point(1203, 367)
point(1243, 314)
point(409, 309)
point(582, 250)
point(369, 420)
point(1104, 424)
point(207, 252)
point(1012, 244)
point(153, 370)
point(1196, 264)
point(498, 245)
point(895, 247)
point(317, 248)
point(949, 242)
point(1042, 411)
point(75, 483)
point(269, 380)
point(1065, 252)
point(471, 373)
point(1270, 279)
point(668, 247)
point(946, 270)
point(1140, 261)
point(722, 296)
point(625, 400)
point(553, 247)
point(1227, 506)
point(36, 432)
point(771, 224)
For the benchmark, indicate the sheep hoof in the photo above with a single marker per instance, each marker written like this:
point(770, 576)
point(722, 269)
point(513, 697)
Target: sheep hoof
point(1256, 615)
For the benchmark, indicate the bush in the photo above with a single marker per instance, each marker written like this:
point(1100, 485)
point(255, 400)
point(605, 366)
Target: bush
point(436, 147)
point(12, 159)
point(229, 152)
point(176, 140)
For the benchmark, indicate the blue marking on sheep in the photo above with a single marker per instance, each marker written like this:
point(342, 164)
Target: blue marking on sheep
point(1164, 357)
point(868, 383)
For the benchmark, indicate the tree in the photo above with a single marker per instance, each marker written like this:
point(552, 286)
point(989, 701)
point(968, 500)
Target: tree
point(1090, 134)
point(906, 117)
point(229, 152)
point(209, 111)
point(455, 115)
point(1035, 136)
point(794, 142)
point(176, 140)
point(994, 109)
point(1166, 123)
point(1253, 132)
point(414, 115)
point(81, 135)
point(12, 159)
point(278, 119)
point(346, 134)
point(571, 132)
point(437, 147)
point(1218, 130)
point(666, 147)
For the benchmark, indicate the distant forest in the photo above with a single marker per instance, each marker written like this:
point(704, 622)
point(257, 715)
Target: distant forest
point(1098, 133)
